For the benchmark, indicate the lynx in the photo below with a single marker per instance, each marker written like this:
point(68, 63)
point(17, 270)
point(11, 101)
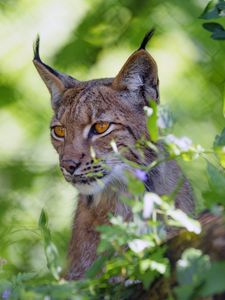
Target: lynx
point(88, 115)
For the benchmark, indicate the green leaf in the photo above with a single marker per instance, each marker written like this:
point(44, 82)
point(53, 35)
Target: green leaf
point(201, 278)
point(135, 186)
point(96, 267)
point(43, 219)
point(51, 251)
point(219, 139)
point(212, 26)
point(23, 277)
point(221, 8)
point(191, 270)
point(211, 11)
point(219, 147)
point(218, 35)
point(212, 198)
point(148, 278)
point(43, 225)
point(216, 192)
point(215, 280)
point(209, 6)
point(184, 292)
point(216, 179)
point(192, 266)
point(152, 122)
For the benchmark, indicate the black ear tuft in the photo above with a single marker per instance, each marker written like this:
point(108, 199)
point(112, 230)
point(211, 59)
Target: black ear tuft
point(36, 48)
point(55, 81)
point(38, 59)
point(147, 38)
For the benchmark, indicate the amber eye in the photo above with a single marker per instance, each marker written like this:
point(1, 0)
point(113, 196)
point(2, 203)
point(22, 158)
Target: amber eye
point(58, 132)
point(101, 127)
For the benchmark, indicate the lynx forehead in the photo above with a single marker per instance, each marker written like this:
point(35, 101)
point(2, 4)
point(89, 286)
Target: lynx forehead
point(89, 115)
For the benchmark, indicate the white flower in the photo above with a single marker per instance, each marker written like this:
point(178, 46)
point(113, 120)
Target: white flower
point(149, 200)
point(164, 117)
point(114, 146)
point(138, 245)
point(199, 149)
point(190, 224)
point(92, 152)
point(183, 143)
point(148, 111)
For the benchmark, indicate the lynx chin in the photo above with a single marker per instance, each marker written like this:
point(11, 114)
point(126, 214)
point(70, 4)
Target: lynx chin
point(87, 117)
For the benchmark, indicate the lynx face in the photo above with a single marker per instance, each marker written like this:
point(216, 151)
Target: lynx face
point(88, 116)
point(92, 116)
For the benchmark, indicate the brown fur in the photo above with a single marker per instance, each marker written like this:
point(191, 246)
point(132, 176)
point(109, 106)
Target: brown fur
point(77, 107)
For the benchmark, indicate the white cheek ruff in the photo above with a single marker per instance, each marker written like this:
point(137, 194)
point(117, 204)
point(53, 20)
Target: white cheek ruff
point(89, 189)
point(94, 187)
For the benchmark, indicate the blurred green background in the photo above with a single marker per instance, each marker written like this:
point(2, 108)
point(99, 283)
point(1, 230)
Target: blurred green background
point(91, 39)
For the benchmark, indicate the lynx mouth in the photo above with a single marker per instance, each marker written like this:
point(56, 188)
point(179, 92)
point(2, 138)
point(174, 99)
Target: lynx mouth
point(86, 179)
point(89, 185)
point(95, 180)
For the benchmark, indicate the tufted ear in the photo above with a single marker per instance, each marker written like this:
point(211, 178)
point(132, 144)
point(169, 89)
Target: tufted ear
point(56, 82)
point(139, 74)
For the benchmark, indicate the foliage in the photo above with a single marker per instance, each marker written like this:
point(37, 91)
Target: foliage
point(31, 252)
point(140, 256)
point(214, 11)
point(51, 252)
point(198, 276)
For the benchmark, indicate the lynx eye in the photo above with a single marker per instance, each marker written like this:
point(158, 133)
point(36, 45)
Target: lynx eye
point(101, 127)
point(58, 132)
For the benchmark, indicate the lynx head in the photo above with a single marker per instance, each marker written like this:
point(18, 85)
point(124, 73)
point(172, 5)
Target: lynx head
point(88, 115)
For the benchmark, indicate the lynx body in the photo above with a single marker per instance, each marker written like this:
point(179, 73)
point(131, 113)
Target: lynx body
point(87, 117)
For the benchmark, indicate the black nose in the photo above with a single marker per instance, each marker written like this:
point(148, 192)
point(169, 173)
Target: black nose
point(69, 165)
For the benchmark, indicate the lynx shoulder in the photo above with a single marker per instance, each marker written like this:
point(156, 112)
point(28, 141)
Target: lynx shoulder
point(88, 115)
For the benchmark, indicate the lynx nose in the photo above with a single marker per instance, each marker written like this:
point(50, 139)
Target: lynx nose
point(70, 166)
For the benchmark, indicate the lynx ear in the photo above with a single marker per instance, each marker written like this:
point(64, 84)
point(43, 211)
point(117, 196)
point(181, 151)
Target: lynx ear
point(139, 74)
point(56, 82)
